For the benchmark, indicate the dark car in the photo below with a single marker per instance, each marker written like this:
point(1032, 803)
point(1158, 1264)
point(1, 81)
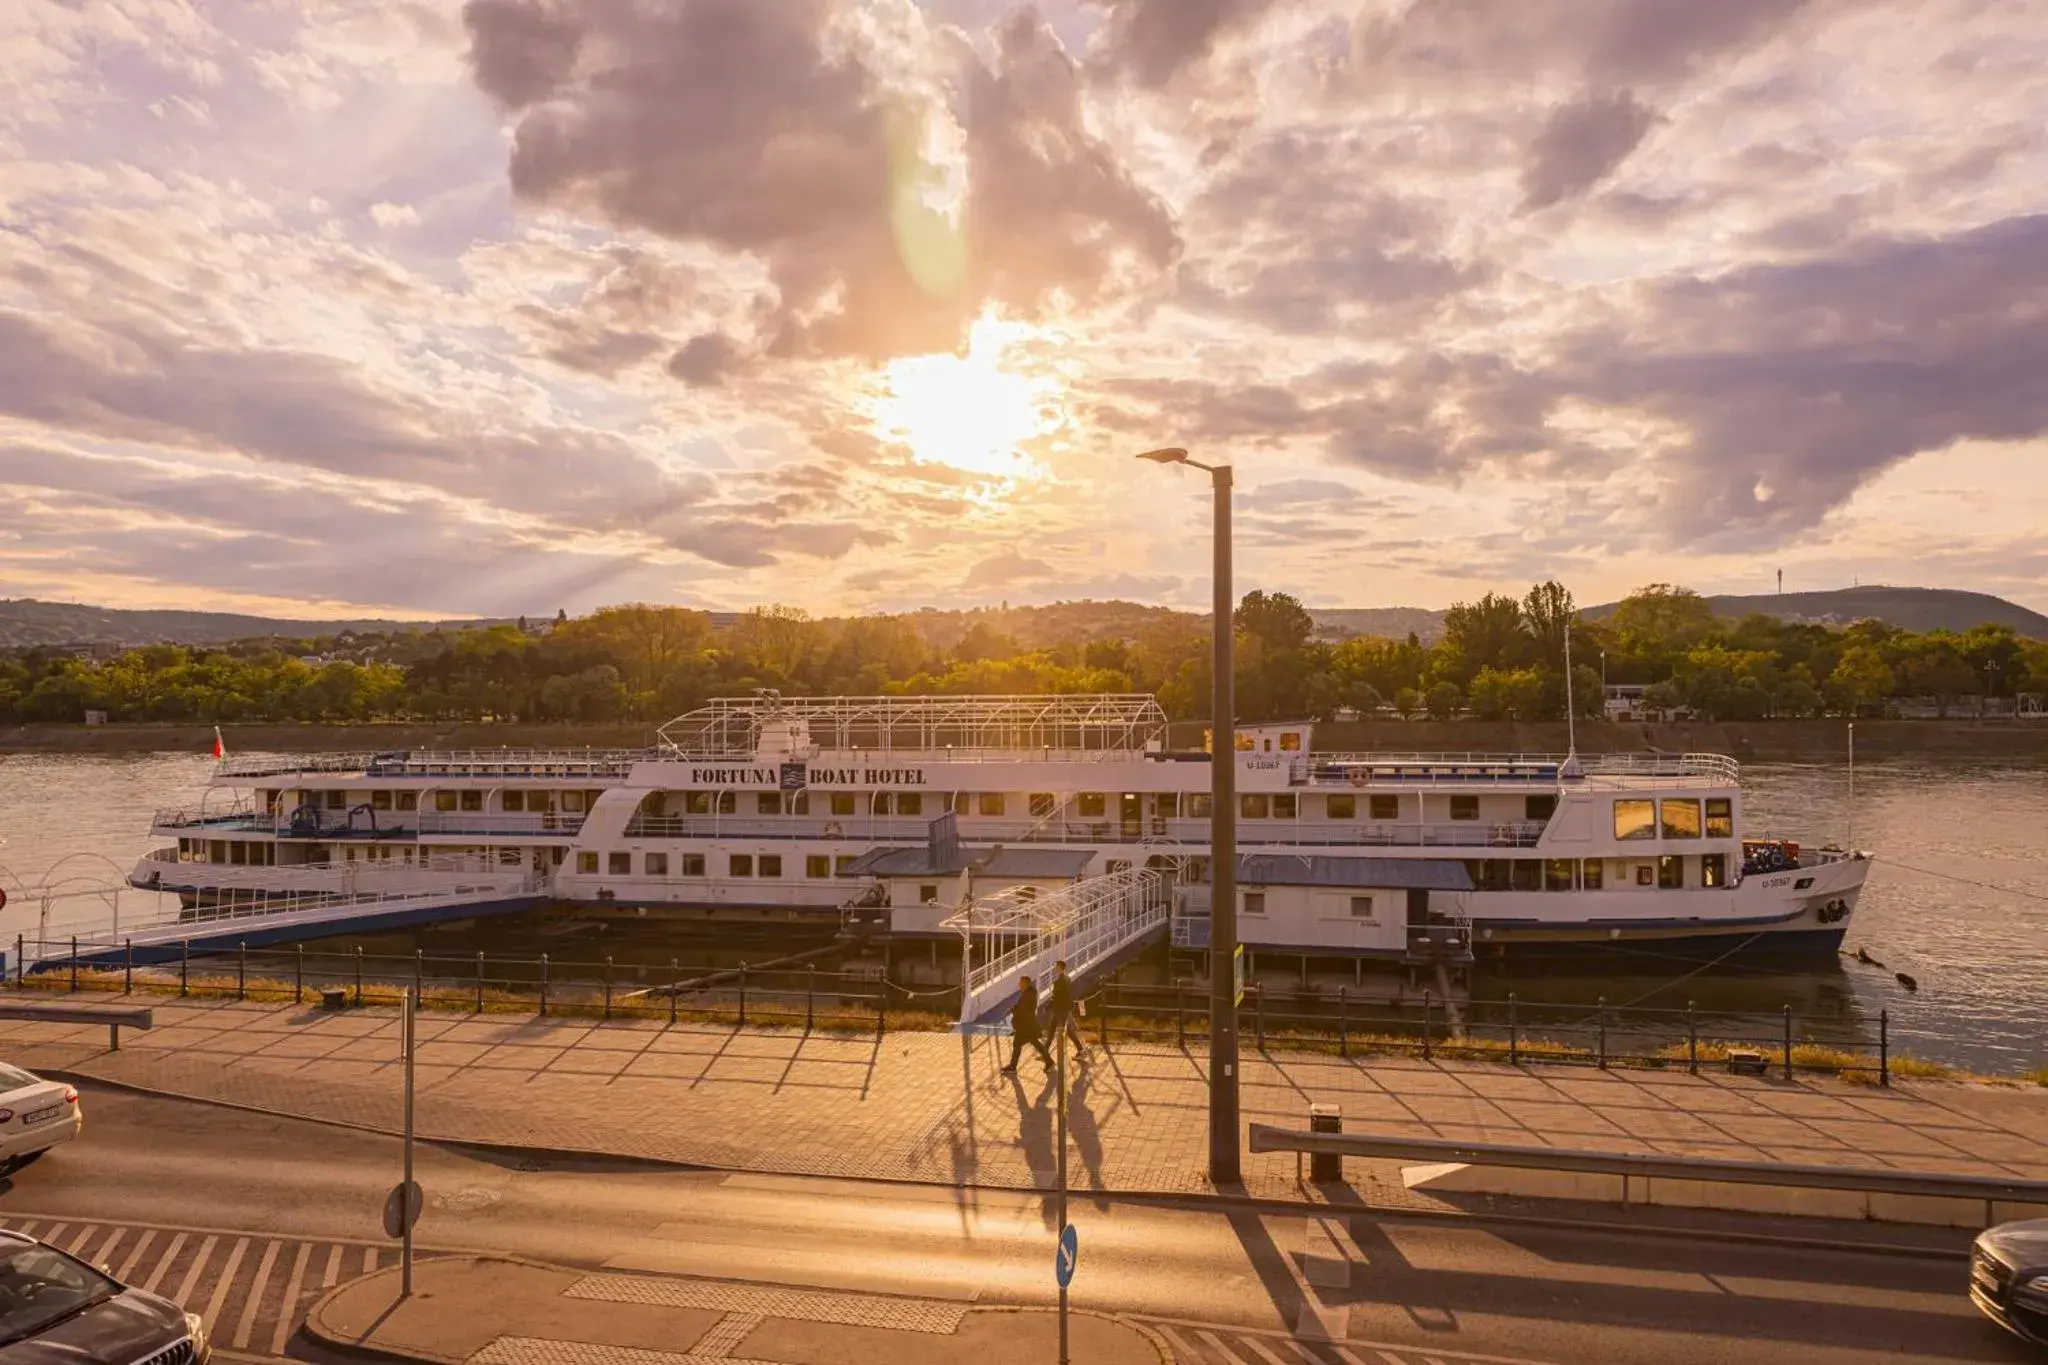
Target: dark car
point(2009, 1277)
point(56, 1308)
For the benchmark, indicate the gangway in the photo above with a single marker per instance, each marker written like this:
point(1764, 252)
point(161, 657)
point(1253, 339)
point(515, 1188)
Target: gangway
point(1095, 925)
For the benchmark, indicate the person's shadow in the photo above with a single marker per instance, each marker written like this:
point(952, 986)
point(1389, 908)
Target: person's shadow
point(1086, 1132)
point(1035, 1139)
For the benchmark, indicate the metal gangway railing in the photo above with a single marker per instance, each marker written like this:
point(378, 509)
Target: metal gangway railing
point(1020, 931)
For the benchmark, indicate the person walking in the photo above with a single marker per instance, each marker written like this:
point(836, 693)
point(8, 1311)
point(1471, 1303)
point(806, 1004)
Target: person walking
point(1061, 1009)
point(1024, 1027)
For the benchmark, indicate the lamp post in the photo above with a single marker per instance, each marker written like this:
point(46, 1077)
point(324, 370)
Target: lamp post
point(1223, 1107)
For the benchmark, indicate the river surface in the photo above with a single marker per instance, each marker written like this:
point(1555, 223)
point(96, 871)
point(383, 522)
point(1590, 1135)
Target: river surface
point(1958, 899)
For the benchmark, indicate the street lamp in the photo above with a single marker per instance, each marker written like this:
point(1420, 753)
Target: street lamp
point(1223, 1107)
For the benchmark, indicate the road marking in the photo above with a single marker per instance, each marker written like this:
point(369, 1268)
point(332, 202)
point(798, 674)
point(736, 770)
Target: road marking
point(292, 1287)
point(1181, 1349)
point(1216, 1344)
point(333, 1275)
point(255, 1298)
point(184, 1294)
point(1266, 1342)
point(85, 1233)
point(105, 1255)
point(162, 1266)
point(135, 1254)
point(55, 1232)
point(220, 1290)
point(369, 1260)
point(1265, 1352)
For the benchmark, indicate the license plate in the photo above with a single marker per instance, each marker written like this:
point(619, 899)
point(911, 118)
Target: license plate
point(36, 1116)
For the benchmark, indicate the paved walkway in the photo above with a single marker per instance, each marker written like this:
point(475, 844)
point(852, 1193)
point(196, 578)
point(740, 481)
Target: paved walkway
point(468, 1311)
point(934, 1107)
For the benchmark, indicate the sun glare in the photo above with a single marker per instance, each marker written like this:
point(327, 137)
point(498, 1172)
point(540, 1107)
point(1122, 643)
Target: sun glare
point(977, 412)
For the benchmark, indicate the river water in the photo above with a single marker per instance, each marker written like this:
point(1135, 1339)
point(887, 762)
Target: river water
point(1958, 899)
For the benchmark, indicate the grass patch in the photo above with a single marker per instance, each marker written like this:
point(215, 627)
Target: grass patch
point(2038, 1076)
point(1920, 1069)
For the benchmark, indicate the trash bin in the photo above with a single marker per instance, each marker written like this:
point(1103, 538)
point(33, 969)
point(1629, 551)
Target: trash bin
point(1325, 1166)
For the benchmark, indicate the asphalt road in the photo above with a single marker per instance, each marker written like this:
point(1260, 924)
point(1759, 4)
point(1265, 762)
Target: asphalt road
point(282, 1207)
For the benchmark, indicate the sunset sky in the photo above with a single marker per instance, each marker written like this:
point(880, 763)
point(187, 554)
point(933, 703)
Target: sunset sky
point(336, 307)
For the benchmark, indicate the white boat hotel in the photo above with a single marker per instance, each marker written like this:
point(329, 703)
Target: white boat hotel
point(898, 811)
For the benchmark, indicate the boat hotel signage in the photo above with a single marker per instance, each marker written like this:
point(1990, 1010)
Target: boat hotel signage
point(795, 777)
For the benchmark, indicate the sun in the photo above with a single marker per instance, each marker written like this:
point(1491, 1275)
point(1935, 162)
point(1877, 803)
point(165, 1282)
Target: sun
point(979, 412)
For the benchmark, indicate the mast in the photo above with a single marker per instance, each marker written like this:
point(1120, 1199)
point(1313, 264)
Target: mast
point(1571, 710)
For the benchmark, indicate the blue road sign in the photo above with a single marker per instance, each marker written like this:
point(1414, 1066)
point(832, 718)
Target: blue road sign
point(1069, 1253)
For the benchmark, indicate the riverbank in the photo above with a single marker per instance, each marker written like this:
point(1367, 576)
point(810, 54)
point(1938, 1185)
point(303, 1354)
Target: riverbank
point(1821, 741)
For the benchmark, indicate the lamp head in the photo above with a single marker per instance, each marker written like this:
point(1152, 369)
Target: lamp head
point(1166, 455)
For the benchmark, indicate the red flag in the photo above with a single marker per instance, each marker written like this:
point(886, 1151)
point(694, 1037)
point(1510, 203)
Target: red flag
point(220, 750)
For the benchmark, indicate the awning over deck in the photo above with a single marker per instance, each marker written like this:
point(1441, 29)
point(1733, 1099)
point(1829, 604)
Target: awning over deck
point(1387, 874)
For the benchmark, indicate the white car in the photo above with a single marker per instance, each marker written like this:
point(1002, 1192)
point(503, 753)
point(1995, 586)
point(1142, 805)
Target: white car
point(35, 1115)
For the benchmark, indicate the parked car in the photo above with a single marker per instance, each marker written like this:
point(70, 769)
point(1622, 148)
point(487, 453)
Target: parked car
point(2009, 1277)
point(35, 1115)
point(55, 1308)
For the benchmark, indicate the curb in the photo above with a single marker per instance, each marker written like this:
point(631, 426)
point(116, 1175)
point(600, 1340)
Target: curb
point(1246, 1202)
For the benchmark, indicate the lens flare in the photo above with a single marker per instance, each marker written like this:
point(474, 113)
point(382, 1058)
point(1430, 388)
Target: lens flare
point(979, 412)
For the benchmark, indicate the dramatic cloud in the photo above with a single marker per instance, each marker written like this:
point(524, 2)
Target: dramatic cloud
point(1580, 145)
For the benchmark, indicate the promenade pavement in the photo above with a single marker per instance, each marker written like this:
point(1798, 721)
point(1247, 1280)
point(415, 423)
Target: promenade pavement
point(480, 1311)
point(934, 1107)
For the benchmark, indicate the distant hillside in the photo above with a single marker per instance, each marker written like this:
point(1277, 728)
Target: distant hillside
point(1915, 609)
point(1038, 627)
point(26, 623)
point(1393, 623)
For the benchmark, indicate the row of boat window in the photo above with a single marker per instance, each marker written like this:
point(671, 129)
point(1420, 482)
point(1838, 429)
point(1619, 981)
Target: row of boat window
point(466, 799)
point(1086, 805)
point(1675, 818)
point(619, 863)
point(1592, 874)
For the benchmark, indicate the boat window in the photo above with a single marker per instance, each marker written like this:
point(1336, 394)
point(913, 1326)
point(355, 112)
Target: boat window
point(1361, 907)
point(621, 865)
point(1464, 808)
point(1528, 874)
point(512, 801)
point(800, 804)
point(472, 800)
point(909, 803)
point(1670, 873)
point(1091, 803)
point(768, 803)
point(693, 864)
point(657, 864)
point(878, 803)
point(382, 800)
point(1558, 873)
point(842, 803)
point(1199, 806)
point(1635, 819)
point(927, 894)
point(1253, 806)
point(1494, 875)
point(586, 862)
point(1290, 741)
point(408, 800)
point(1042, 804)
point(1254, 902)
point(1593, 874)
point(572, 801)
point(337, 800)
point(817, 865)
point(771, 864)
point(1681, 819)
point(1027, 892)
point(1386, 807)
point(1167, 804)
point(1285, 806)
point(444, 801)
point(1720, 818)
point(990, 803)
point(1340, 807)
point(739, 865)
point(1714, 869)
point(843, 861)
point(1539, 807)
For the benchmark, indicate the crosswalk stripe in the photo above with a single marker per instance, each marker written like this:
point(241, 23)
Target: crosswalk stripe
point(135, 1254)
point(1215, 1343)
point(105, 1255)
point(163, 1264)
point(1265, 1352)
point(1181, 1349)
point(369, 1260)
point(56, 1231)
point(1390, 1358)
point(184, 1295)
point(86, 1232)
point(333, 1275)
point(1346, 1356)
point(1301, 1349)
point(27, 1229)
point(290, 1310)
point(263, 1267)
point(227, 1281)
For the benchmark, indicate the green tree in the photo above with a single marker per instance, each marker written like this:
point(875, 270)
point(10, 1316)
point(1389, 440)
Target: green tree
point(1860, 680)
point(1444, 701)
point(1488, 633)
point(1547, 614)
point(1276, 620)
point(1507, 694)
point(1656, 625)
point(1408, 703)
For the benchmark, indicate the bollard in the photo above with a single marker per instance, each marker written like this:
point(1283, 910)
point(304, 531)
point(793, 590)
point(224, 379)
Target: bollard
point(543, 985)
point(1343, 1025)
point(1324, 1167)
point(1180, 1014)
point(1884, 1048)
point(74, 964)
point(1514, 1031)
point(299, 976)
point(479, 981)
point(1788, 1042)
point(882, 1007)
point(359, 976)
point(1603, 1032)
point(743, 995)
point(1259, 1014)
point(1428, 1025)
point(675, 988)
point(1692, 1041)
point(1102, 1018)
point(242, 970)
point(20, 958)
point(184, 967)
point(607, 986)
point(810, 994)
point(128, 971)
point(419, 975)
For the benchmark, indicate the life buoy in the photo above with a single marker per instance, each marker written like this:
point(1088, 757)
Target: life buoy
point(832, 829)
point(1359, 777)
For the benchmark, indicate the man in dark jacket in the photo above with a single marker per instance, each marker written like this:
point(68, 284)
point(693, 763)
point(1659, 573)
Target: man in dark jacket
point(1060, 1009)
point(1024, 1027)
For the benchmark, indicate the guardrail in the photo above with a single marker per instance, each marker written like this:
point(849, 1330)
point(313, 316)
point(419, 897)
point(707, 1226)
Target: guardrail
point(1646, 1166)
point(1287, 832)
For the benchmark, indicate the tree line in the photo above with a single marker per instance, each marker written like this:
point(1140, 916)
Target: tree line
point(1500, 658)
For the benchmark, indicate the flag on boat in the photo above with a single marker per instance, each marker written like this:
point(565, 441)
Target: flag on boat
point(220, 750)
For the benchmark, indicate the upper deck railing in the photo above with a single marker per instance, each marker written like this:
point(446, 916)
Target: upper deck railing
point(540, 763)
point(1019, 726)
point(1521, 770)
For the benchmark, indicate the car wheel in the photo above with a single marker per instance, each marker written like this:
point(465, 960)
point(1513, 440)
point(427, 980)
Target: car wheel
point(26, 1159)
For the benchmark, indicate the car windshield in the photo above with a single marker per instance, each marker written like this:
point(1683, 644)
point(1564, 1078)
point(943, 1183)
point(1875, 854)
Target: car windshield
point(39, 1287)
point(14, 1078)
